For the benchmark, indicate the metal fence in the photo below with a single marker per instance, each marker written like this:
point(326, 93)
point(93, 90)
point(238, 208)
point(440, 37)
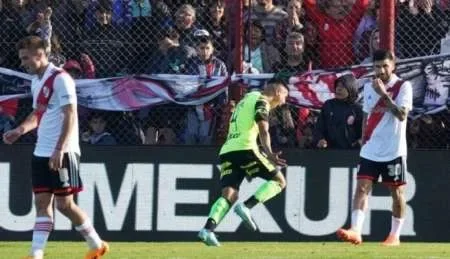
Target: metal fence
point(105, 38)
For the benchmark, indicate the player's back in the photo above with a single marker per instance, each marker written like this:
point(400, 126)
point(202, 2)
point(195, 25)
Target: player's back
point(243, 130)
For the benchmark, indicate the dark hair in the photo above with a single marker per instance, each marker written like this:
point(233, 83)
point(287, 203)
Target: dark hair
point(350, 83)
point(33, 43)
point(382, 54)
point(278, 81)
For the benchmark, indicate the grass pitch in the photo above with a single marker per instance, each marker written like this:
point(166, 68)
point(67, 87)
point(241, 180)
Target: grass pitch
point(231, 250)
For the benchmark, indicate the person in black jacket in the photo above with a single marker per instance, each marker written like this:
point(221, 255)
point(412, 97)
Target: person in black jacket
point(339, 124)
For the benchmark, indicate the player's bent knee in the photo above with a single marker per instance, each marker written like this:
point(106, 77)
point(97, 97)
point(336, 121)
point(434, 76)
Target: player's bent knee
point(279, 178)
point(64, 205)
point(230, 194)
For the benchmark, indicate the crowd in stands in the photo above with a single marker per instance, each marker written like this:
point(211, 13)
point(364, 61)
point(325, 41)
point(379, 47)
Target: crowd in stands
point(106, 38)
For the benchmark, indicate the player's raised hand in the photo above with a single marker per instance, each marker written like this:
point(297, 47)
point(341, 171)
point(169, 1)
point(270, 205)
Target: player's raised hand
point(11, 136)
point(275, 158)
point(379, 87)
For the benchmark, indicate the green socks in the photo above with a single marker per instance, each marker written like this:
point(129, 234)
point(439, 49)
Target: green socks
point(267, 191)
point(219, 209)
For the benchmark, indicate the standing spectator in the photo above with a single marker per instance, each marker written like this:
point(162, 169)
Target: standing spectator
point(258, 52)
point(201, 119)
point(269, 16)
point(282, 128)
point(97, 133)
point(171, 55)
point(104, 42)
point(56, 54)
point(294, 62)
point(420, 27)
point(336, 21)
point(374, 44)
point(340, 120)
point(294, 22)
point(185, 19)
point(13, 22)
point(368, 23)
point(311, 36)
point(42, 25)
point(215, 23)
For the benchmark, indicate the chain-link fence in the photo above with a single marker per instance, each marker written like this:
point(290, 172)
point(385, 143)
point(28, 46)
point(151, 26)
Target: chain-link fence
point(108, 38)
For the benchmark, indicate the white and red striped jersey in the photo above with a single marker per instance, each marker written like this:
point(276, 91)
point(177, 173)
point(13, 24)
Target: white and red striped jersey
point(385, 134)
point(51, 123)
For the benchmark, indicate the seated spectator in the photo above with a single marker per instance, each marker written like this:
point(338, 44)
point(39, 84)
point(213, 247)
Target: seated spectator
point(201, 119)
point(294, 22)
point(294, 63)
point(257, 52)
point(97, 133)
point(269, 16)
point(339, 124)
point(336, 22)
point(374, 44)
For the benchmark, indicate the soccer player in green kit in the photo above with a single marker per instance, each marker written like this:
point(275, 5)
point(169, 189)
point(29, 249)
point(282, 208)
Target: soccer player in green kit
point(240, 158)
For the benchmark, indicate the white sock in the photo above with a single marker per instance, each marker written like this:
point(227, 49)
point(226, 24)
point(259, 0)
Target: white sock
point(42, 228)
point(396, 226)
point(88, 232)
point(357, 220)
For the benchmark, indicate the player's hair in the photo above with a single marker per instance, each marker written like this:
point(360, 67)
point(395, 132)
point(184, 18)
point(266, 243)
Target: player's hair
point(277, 81)
point(382, 54)
point(33, 43)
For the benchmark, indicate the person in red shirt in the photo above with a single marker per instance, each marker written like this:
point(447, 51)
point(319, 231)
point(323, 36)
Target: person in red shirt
point(337, 21)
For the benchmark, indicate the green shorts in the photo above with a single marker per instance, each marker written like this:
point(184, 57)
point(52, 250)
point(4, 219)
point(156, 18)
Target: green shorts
point(236, 165)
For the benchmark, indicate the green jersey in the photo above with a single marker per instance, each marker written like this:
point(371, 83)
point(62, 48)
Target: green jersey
point(243, 130)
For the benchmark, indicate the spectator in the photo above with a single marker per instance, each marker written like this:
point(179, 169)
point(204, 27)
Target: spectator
point(8, 110)
point(97, 133)
point(294, 22)
point(105, 44)
point(420, 27)
point(215, 23)
point(374, 44)
point(42, 25)
point(294, 62)
point(311, 36)
point(185, 18)
point(282, 128)
point(201, 119)
point(269, 16)
point(368, 23)
point(13, 21)
point(258, 52)
point(339, 124)
point(56, 54)
point(171, 55)
point(336, 21)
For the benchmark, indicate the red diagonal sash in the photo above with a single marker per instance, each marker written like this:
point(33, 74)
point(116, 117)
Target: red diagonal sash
point(45, 94)
point(378, 111)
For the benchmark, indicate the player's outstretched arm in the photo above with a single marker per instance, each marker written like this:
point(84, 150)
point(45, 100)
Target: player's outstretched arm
point(29, 124)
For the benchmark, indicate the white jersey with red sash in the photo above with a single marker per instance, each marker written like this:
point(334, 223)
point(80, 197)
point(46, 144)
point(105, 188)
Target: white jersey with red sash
point(384, 136)
point(54, 90)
